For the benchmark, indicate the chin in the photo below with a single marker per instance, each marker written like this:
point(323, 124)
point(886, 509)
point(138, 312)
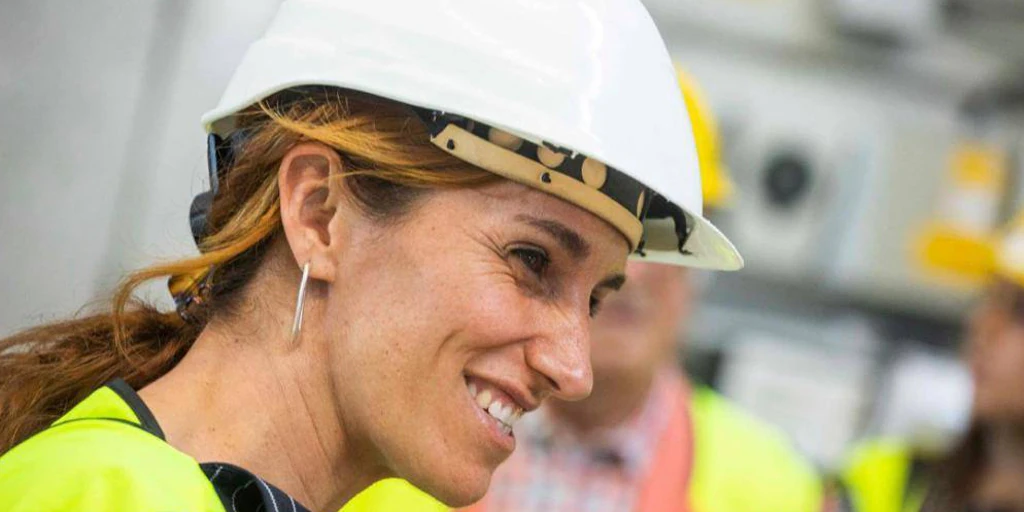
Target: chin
point(452, 480)
point(458, 493)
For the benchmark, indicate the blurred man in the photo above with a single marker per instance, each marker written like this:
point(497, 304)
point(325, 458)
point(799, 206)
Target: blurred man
point(646, 439)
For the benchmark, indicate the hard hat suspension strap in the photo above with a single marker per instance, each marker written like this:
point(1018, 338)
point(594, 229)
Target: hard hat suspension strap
point(592, 185)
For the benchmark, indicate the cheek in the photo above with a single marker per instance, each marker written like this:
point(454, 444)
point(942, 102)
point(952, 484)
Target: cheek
point(1007, 359)
point(615, 350)
point(494, 313)
point(999, 368)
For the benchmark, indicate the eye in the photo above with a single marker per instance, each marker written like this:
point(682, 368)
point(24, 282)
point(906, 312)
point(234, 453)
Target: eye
point(533, 258)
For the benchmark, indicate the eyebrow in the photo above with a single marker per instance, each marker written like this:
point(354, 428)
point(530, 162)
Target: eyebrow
point(568, 238)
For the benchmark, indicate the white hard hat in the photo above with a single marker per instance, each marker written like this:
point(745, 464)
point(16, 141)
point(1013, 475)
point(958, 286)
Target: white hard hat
point(574, 97)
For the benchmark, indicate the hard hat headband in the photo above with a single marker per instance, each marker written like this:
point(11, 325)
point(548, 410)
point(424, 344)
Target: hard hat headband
point(598, 188)
point(646, 219)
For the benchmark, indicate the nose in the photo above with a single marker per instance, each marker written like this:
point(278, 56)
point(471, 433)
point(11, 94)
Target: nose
point(562, 357)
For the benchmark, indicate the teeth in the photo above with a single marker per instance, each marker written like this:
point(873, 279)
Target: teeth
point(505, 413)
point(484, 398)
point(495, 410)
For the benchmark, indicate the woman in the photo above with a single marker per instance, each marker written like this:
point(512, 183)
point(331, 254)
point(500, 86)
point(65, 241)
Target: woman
point(414, 212)
point(986, 473)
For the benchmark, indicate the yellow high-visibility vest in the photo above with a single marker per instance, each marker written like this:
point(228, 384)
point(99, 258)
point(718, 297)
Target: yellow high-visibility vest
point(97, 457)
point(741, 463)
point(877, 478)
point(393, 495)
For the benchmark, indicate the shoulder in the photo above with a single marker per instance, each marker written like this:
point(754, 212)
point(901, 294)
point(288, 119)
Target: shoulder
point(715, 415)
point(101, 464)
point(874, 452)
point(740, 455)
point(874, 462)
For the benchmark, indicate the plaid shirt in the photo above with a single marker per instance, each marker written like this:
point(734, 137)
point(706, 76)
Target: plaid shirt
point(553, 470)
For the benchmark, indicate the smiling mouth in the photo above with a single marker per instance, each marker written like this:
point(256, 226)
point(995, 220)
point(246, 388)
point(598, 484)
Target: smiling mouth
point(496, 403)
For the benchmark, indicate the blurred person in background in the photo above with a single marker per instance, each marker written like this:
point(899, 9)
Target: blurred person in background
point(647, 439)
point(386, 282)
point(985, 472)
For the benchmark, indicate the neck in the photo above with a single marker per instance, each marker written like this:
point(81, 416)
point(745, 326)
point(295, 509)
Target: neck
point(251, 403)
point(612, 403)
point(1005, 447)
point(1001, 480)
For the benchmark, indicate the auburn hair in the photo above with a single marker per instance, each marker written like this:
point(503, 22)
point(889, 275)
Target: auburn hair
point(389, 162)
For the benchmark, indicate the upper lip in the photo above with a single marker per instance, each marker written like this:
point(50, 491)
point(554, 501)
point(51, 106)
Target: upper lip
point(522, 398)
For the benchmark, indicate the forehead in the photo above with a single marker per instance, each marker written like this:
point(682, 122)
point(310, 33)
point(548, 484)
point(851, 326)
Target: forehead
point(506, 203)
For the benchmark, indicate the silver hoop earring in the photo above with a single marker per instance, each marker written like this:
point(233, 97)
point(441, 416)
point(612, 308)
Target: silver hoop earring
point(300, 302)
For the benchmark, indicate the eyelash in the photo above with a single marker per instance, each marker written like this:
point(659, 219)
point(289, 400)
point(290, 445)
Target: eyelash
point(537, 261)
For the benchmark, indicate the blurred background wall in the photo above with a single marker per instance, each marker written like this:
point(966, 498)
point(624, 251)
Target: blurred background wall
point(842, 122)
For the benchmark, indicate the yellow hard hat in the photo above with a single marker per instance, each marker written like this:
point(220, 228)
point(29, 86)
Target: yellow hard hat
point(716, 186)
point(960, 243)
point(1001, 254)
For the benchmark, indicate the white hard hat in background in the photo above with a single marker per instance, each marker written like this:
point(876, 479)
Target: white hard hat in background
point(576, 97)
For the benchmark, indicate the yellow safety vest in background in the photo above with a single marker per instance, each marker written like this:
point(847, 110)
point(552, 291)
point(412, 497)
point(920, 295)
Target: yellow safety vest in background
point(96, 457)
point(877, 478)
point(741, 465)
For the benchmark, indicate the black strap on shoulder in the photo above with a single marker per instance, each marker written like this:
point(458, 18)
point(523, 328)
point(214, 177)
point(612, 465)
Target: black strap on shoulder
point(98, 418)
point(238, 489)
point(147, 422)
point(130, 397)
point(242, 491)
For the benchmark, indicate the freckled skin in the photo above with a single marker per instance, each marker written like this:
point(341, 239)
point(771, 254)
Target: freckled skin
point(418, 305)
point(493, 283)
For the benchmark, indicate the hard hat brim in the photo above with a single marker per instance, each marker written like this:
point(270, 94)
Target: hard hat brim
point(706, 248)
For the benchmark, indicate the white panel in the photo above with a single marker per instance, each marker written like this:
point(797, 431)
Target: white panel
point(70, 74)
point(814, 392)
point(101, 149)
point(152, 221)
point(877, 149)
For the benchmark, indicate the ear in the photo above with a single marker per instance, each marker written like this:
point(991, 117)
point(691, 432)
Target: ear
point(309, 203)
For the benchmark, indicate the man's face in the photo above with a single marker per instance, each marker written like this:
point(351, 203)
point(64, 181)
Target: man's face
point(635, 332)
